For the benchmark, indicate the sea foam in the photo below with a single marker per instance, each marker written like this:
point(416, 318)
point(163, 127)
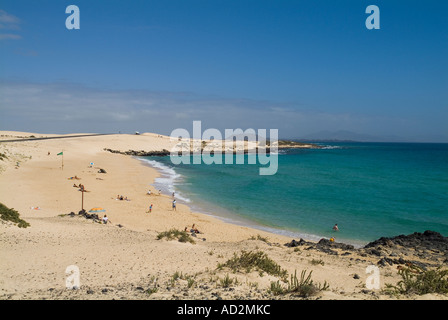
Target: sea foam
point(168, 179)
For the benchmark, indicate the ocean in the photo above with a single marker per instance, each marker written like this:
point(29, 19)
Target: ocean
point(370, 190)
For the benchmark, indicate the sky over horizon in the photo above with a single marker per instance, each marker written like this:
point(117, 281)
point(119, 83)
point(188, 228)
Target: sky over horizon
point(301, 67)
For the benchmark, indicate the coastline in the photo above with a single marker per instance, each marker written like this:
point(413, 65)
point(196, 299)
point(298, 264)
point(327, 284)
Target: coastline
point(118, 258)
point(228, 217)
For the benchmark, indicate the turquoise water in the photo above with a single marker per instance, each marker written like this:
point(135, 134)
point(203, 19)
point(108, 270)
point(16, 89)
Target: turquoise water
point(369, 189)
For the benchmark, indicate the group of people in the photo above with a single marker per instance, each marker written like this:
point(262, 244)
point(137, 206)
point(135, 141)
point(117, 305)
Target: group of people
point(193, 229)
point(159, 192)
point(120, 197)
point(149, 192)
point(335, 228)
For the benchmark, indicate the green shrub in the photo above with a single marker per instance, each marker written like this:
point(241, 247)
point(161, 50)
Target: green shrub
point(259, 237)
point(255, 260)
point(315, 262)
point(415, 280)
point(150, 291)
point(12, 215)
point(226, 281)
point(303, 286)
point(276, 288)
point(181, 236)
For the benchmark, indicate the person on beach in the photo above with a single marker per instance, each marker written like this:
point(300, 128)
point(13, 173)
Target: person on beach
point(174, 205)
point(105, 219)
point(149, 192)
point(194, 229)
point(335, 227)
point(150, 208)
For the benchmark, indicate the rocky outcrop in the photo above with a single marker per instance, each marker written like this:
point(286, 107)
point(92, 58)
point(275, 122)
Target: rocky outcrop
point(428, 240)
point(140, 153)
point(427, 249)
point(210, 147)
point(324, 245)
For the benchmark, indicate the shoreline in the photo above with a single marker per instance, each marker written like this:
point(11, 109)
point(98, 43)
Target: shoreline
point(125, 259)
point(228, 217)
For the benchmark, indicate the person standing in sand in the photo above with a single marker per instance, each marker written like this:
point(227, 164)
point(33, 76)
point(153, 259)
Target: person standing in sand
point(174, 205)
point(150, 208)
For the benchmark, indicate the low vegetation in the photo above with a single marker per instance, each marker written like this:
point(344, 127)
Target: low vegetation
point(303, 287)
point(418, 281)
point(316, 262)
point(12, 215)
point(258, 261)
point(181, 236)
point(258, 237)
point(226, 282)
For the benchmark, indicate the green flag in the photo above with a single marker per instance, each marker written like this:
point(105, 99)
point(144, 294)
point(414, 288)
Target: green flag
point(60, 154)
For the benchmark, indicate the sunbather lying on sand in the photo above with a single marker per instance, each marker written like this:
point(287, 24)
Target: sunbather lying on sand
point(122, 198)
point(194, 229)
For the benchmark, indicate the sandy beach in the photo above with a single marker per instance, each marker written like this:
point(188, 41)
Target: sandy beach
point(124, 259)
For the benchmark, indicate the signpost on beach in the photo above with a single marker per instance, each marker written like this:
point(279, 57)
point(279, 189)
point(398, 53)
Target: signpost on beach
point(62, 154)
point(82, 197)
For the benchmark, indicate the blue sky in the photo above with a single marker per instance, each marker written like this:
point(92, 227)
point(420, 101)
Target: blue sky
point(297, 66)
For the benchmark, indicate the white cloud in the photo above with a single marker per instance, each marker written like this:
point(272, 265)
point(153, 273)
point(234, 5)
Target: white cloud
point(66, 108)
point(9, 22)
point(11, 36)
